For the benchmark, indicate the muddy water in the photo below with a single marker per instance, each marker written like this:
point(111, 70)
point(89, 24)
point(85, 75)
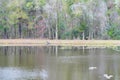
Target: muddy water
point(52, 63)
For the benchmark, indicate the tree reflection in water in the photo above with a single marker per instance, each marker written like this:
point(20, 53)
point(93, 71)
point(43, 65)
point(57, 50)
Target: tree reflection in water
point(58, 63)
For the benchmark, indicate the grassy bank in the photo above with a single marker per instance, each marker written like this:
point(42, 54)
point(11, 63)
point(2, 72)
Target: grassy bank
point(38, 42)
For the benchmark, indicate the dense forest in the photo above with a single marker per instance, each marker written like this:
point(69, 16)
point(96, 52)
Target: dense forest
point(60, 19)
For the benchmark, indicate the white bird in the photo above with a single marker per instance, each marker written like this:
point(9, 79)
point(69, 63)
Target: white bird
point(108, 76)
point(92, 68)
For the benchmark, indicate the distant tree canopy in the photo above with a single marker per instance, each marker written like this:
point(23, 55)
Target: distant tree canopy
point(60, 19)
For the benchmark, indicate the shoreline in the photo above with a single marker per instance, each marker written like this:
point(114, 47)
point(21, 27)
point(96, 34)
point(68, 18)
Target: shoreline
point(39, 42)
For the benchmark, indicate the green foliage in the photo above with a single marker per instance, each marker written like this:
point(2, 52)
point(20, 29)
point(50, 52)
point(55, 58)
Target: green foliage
point(29, 5)
point(83, 26)
point(61, 25)
point(114, 32)
point(75, 32)
point(71, 22)
point(70, 34)
point(1, 27)
point(77, 12)
point(108, 12)
point(67, 4)
point(42, 2)
point(111, 32)
point(15, 3)
point(18, 13)
point(118, 10)
point(84, 1)
point(39, 2)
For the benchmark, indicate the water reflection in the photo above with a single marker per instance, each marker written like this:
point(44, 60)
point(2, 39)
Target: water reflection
point(58, 63)
point(12, 73)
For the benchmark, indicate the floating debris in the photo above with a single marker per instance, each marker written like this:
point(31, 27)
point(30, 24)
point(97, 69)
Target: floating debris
point(92, 68)
point(108, 76)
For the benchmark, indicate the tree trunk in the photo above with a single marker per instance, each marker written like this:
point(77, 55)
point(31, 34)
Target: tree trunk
point(83, 35)
point(5, 33)
point(49, 32)
point(20, 31)
point(56, 32)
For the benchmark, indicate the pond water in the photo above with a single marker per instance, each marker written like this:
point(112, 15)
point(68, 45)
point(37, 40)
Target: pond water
point(59, 63)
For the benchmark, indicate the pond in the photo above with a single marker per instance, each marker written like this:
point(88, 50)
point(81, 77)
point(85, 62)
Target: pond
point(59, 63)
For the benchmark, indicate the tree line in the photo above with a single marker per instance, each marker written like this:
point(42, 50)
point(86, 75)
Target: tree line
point(60, 19)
